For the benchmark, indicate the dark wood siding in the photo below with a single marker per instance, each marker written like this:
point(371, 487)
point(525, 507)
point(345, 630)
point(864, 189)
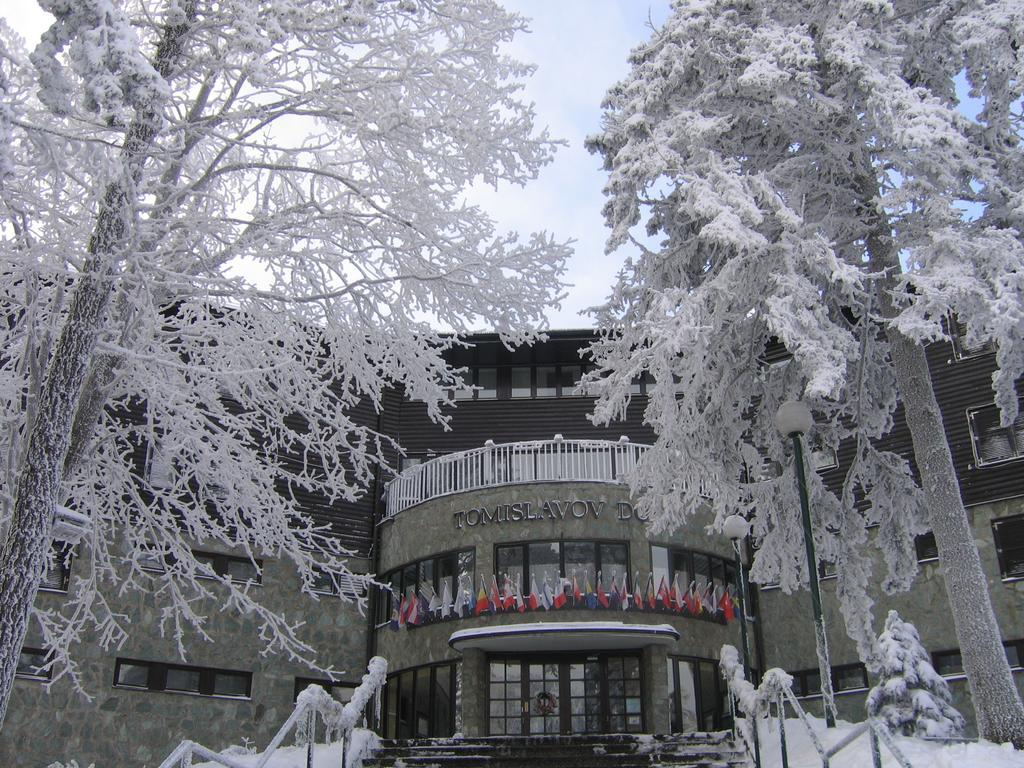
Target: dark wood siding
point(963, 384)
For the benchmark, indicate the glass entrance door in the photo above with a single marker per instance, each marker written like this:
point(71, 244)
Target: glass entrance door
point(566, 694)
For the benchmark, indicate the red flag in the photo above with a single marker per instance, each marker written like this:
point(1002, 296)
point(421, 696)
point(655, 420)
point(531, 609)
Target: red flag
point(727, 606)
point(652, 599)
point(691, 602)
point(509, 599)
point(402, 609)
point(673, 597)
point(534, 598)
point(414, 611)
point(638, 595)
point(559, 600)
point(577, 595)
point(602, 596)
point(520, 600)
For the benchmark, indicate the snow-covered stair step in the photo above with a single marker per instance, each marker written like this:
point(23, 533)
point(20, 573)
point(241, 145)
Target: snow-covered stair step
point(695, 750)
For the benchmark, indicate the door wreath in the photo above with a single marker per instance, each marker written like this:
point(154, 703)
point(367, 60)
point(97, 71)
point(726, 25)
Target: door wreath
point(546, 703)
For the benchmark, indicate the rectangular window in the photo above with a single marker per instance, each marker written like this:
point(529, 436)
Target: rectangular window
point(948, 663)
point(849, 677)
point(993, 443)
point(807, 682)
point(927, 549)
point(180, 678)
point(240, 570)
point(463, 385)
point(1014, 654)
point(963, 349)
point(487, 381)
point(58, 569)
point(547, 381)
point(32, 664)
point(1008, 533)
point(568, 377)
point(521, 382)
point(425, 577)
point(420, 702)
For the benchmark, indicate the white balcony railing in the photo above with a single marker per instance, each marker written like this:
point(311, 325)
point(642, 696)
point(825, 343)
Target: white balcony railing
point(556, 460)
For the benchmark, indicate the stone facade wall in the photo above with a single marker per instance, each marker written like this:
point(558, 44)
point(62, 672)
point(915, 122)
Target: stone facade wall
point(789, 643)
point(122, 727)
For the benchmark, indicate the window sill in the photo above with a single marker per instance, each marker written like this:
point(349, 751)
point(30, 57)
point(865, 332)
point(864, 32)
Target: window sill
point(1012, 579)
point(53, 591)
point(184, 693)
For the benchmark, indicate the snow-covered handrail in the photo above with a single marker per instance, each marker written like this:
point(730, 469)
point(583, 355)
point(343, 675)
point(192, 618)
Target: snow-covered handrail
point(339, 720)
point(555, 460)
point(777, 689)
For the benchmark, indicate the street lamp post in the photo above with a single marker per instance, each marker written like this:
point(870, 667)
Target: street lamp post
point(794, 420)
point(736, 527)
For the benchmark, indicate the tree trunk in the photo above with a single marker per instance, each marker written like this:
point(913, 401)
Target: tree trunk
point(24, 554)
point(997, 703)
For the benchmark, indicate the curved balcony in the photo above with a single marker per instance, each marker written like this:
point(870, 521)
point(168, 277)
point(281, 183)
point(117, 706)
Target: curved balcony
point(536, 461)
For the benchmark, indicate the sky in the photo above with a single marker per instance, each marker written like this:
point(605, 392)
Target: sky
point(580, 48)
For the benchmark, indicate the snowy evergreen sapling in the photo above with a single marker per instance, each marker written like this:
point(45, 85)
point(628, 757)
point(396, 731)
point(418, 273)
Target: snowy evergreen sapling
point(783, 156)
point(910, 696)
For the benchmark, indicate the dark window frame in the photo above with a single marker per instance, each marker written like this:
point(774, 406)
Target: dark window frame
point(957, 332)
point(61, 557)
point(720, 715)
point(525, 545)
point(1017, 444)
point(156, 680)
point(386, 595)
point(924, 545)
point(220, 566)
point(1002, 549)
point(43, 674)
point(730, 577)
point(393, 683)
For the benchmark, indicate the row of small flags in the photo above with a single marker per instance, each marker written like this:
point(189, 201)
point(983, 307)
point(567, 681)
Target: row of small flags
point(427, 606)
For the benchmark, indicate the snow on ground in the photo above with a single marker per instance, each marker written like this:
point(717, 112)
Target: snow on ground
point(921, 754)
point(802, 754)
point(324, 755)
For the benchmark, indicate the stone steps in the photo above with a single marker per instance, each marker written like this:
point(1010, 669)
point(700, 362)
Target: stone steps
point(693, 750)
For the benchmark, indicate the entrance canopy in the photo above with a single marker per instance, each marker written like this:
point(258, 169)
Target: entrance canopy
point(564, 636)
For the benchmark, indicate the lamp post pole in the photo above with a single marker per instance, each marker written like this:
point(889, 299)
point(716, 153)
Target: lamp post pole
point(736, 528)
point(794, 420)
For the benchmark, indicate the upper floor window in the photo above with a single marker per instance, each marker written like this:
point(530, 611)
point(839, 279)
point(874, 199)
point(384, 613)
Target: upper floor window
point(181, 678)
point(560, 564)
point(57, 575)
point(446, 577)
point(1008, 533)
point(993, 443)
point(961, 347)
point(706, 576)
point(520, 382)
point(240, 570)
point(348, 585)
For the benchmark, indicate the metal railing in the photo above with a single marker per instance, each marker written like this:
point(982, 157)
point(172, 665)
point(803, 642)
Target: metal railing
point(338, 719)
point(775, 692)
point(555, 460)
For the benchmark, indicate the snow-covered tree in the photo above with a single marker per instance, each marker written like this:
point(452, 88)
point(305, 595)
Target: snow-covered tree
point(805, 170)
point(910, 696)
point(154, 156)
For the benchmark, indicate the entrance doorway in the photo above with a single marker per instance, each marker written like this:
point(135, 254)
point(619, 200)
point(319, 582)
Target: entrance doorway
point(596, 693)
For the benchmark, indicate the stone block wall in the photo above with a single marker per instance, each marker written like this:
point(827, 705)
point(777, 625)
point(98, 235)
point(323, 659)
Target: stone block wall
point(123, 727)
